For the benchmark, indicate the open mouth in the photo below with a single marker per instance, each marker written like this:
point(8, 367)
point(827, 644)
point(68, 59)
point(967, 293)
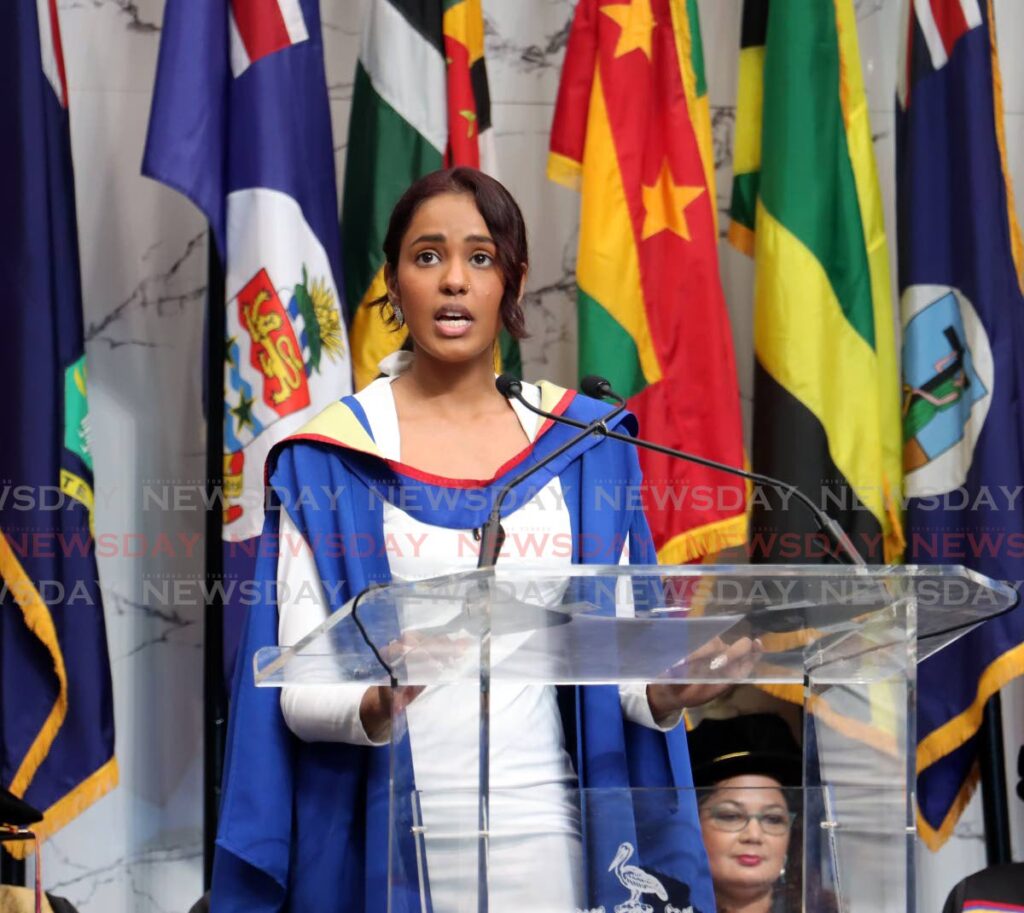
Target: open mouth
point(453, 318)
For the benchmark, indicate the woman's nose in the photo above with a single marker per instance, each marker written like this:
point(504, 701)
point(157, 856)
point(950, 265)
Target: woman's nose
point(752, 831)
point(456, 278)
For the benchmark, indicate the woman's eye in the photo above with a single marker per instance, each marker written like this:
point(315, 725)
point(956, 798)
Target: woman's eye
point(728, 817)
point(775, 820)
point(481, 259)
point(426, 257)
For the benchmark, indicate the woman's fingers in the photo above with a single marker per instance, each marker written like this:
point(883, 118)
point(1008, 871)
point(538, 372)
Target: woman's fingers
point(404, 696)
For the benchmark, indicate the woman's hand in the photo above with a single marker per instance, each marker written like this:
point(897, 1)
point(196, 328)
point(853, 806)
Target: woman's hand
point(378, 705)
point(728, 661)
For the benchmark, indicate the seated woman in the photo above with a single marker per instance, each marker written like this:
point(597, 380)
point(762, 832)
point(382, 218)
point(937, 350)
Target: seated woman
point(998, 887)
point(742, 767)
point(411, 465)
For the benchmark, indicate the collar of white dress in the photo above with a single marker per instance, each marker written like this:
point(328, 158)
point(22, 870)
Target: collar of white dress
point(397, 363)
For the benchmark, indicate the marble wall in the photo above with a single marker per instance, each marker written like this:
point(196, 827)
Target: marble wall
point(144, 267)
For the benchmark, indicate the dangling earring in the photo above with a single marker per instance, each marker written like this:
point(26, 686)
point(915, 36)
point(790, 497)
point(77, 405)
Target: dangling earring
point(399, 316)
point(782, 874)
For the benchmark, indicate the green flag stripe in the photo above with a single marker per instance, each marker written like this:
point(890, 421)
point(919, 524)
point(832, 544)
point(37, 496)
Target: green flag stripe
point(696, 47)
point(607, 349)
point(511, 357)
point(407, 71)
point(423, 15)
point(744, 198)
point(807, 180)
point(377, 171)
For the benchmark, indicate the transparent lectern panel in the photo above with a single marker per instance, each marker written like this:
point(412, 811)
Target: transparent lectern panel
point(843, 642)
point(556, 849)
point(859, 746)
point(858, 852)
point(600, 624)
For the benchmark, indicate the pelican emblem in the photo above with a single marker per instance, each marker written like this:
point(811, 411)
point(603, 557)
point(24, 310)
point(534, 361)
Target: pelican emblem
point(636, 881)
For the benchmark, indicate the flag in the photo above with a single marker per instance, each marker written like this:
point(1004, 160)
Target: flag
point(240, 125)
point(746, 147)
point(420, 103)
point(806, 203)
point(632, 132)
point(960, 273)
point(56, 721)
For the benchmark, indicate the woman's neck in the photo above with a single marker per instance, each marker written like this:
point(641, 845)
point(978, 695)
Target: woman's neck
point(450, 388)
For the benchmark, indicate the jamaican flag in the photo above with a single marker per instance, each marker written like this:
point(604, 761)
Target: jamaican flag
point(806, 205)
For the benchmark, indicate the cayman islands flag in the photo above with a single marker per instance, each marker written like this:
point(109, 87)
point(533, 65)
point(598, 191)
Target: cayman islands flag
point(632, 132)
point(963, 385)
point(241, 125)
point(56, 718)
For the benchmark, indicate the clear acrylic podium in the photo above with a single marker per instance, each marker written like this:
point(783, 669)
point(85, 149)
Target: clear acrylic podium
point(845, 641)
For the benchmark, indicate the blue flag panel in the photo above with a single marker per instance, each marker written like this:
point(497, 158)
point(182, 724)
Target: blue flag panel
point(963, 307)
point(56, 720)
point(241, 125)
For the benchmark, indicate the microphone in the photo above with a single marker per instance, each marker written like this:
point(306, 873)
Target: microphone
point(598, 387)
point(492, 536)
point(508, 386)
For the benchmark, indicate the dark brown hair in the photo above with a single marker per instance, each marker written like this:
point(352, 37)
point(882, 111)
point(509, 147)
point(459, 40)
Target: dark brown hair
point(503, 219)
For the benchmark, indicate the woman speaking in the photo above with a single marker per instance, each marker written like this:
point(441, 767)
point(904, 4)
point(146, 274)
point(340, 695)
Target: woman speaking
point(304, 819)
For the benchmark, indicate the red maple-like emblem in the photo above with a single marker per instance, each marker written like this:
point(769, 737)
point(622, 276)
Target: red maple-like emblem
point(275, 351)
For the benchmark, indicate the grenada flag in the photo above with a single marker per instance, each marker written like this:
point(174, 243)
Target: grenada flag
point(632, 133)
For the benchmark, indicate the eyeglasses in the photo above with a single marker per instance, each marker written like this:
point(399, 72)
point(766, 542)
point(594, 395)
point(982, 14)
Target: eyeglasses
point(730, 819)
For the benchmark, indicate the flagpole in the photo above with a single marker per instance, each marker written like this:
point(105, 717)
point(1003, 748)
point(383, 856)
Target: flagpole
point(215, 701)
point(994, 798)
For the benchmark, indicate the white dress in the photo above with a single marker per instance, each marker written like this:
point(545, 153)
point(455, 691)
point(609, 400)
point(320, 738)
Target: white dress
point(535, 845)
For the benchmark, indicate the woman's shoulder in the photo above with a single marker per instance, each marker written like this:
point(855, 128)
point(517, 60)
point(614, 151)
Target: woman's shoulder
point(342, 425)
point(578, 406)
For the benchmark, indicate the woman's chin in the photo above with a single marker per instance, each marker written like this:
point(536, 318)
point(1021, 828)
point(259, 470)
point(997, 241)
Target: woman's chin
point(749, 883)
point(456, 350)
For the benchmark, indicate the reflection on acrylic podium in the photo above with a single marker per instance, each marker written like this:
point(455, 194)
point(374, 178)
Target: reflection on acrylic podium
point(843, 641)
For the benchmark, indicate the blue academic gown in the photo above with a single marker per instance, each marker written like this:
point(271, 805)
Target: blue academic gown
point(303, 827)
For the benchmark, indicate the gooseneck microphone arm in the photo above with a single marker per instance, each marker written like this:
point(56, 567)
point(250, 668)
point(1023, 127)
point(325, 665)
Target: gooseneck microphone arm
point(492, 536)
point(599, 387)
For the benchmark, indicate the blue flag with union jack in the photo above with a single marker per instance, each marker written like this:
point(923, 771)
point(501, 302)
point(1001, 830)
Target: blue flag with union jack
point(241, 125)
point(960, 269)
point(56, 719)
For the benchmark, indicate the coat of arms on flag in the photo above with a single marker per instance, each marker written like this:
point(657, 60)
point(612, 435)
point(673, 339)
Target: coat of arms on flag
point(286, 345)
point(947, 384)
point(285, 336)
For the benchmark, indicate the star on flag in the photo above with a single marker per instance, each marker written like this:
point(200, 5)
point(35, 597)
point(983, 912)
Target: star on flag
point(636, 20)
point(665, 205)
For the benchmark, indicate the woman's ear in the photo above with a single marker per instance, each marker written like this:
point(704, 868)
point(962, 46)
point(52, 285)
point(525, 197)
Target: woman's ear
point(391, 282)
point(522, 283)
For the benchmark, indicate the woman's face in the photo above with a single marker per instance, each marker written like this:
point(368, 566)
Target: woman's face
point(448, 283)
point(748, 861)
